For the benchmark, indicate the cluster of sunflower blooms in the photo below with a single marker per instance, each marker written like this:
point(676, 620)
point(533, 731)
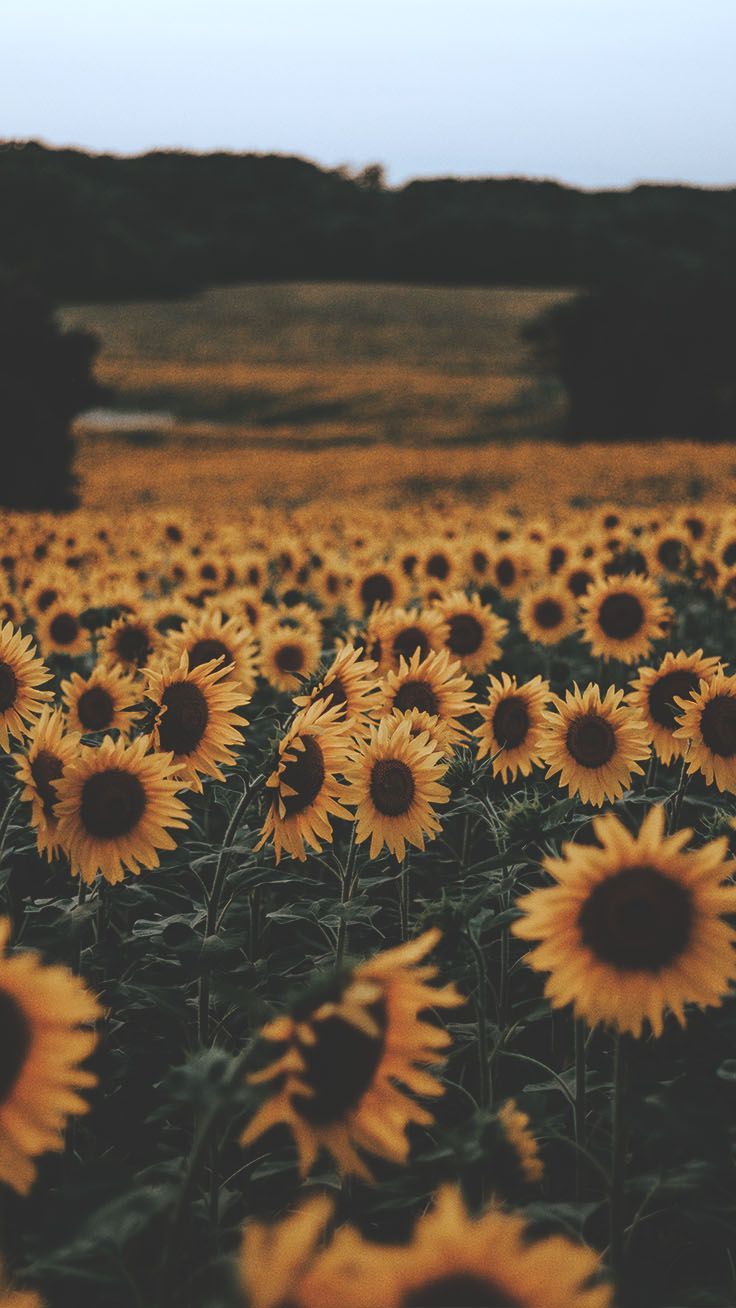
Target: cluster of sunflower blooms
point(126, 666)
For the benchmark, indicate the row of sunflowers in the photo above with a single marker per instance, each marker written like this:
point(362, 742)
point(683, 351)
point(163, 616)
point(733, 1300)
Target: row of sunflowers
point(254, 773)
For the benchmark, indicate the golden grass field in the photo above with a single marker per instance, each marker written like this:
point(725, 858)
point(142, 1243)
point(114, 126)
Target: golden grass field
point(301, 391)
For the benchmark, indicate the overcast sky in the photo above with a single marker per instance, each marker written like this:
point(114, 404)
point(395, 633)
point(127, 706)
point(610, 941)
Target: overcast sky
point(594, 92)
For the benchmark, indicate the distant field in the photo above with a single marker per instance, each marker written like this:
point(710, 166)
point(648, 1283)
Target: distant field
point(331, 363)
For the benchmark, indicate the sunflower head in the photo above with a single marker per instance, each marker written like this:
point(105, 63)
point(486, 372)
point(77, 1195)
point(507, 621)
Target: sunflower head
point(623, 616)
point(658, 694)
point(21, 675)
point(304, 789)
point(49, 750)
point(594, 743)
point(434, 685)
point(707, 726)
point(512, 725)
point(394, 784)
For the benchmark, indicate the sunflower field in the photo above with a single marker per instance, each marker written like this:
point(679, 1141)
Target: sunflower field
point(367, 908)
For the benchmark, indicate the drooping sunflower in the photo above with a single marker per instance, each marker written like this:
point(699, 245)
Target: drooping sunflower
point(196, 718)
point(344, 1051)
point(129, 643)
point(21, 674)
point(212, 636)
point(707, 727)
point(103, 701)
point(594, 743)
point(348, 685)
point(288, 656)
point(435, 685)
point(474, 631)
point(394, 784)
point(657, 695)
point(513, 720)
point(45, 1013)
point(548, 613)
point(633, 926)
point(49, 750)
point(116, 806)
point(305, 790)
point(623, 616)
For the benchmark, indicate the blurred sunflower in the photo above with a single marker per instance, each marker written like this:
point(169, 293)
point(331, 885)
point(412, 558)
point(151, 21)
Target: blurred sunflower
point(394, 783)
point(594, 744)
point(658, 693)
point(49, 749)
point(633, 926)
point(60, 631)
point(288, 657)
point(438, 565)
point(351, 1051)
point(578, 576)
point(275, 1257)
point(116, 805)
point(516, 1128)
point(434, 685)
point(304, 788)
point(348, 685)
point(668, 551)
point(43, 1015)
point(512, 566)
point(103, 701)
point(707, 726)
point(21, 674)
point(196, 719)
point(513, 720)
point(474, 631)
point(376, 583)
point(622, 616)
point(129, 643)
point(548, 613)
point(212, 636)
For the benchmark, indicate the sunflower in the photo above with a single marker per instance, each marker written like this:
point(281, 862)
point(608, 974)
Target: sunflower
point(304, 788)
point(394, 779)
point(344, 1051)
point(60, 630)
point(376, 583)
point(578, 576)
point(212, 636)
point(594, 744)
point(439, 565)
point(474, 631)
point(348, 685)
point(405, 631)
point(516, 1128)
point(434, 685)
point(276, 1256)
point(115, 804)
point(548, 613)
point(622, 616)
point(420, 722)
point(668, 551)
point(21, 674)
point(512, 725)
point(288, 657)
point(511, 567)
point(43, 1015)
point(658, 693)
point(103, 701)
point(707, 722)
point(633, 925)
point(196, 719)
point(129, 643)
point(49, 749)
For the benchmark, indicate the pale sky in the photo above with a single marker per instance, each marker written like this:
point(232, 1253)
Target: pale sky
point(593, 92)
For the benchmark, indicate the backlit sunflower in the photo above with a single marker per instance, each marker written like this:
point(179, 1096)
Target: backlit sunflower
point(622, 616)
point(288, 656)
point(345, 1048)
point(474, 631)
point(513, 720)
point(196, 718)
point(44, 1013)
point(594, 744)
point(49, 749)
point(394, 784)
point(304, 789)
point(348, 685)
point(103, 701)
point(129, 643)
point(116, 805)
point(633, 928)
point(657, 694)
point(548, 613)
point(707, 727)
point(21, 674)
point(212, 636)
point(435, 685)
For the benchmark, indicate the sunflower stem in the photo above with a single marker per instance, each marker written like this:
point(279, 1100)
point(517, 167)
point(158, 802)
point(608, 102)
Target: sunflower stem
point(13, 906)
point(651, 770)
point(484, 1092)
point(349, 881)
point(678, 797)
point(618, 1156)
point(404, 897)
point(580, 1108)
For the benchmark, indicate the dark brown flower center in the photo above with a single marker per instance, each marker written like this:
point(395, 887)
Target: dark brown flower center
point(8, 687)
point(46, 598)
point(548, 614)
point(511, 722)
point(305, 775)
point(620, 616)
point(579, 581)
point(638, 920)
point(289, 658)
point(64, 629)
point(505, 572)
point(173, 532)
point(392, 786)
point(185, 721)
point(696, 527)
point(207, 649)
point(729, 554)
point(416, 694)
point(113, 803)
point(438, 565)
point(133, 644)
point(340, 1066)
point(45, 768)
point(334, 691)
point(466, 634)
point(591, 740)
point(662, 694)
point(408, 564)
point(15, 1042)
point(95, 708)
point(718, 725)
point(376, 588)
point(557, 556)
point(408, 640)
point(670, 553)
point(459, 1290)
point(480, 561)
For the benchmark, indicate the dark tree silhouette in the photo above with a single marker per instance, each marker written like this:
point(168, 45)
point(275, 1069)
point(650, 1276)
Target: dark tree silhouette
point(45, 381)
